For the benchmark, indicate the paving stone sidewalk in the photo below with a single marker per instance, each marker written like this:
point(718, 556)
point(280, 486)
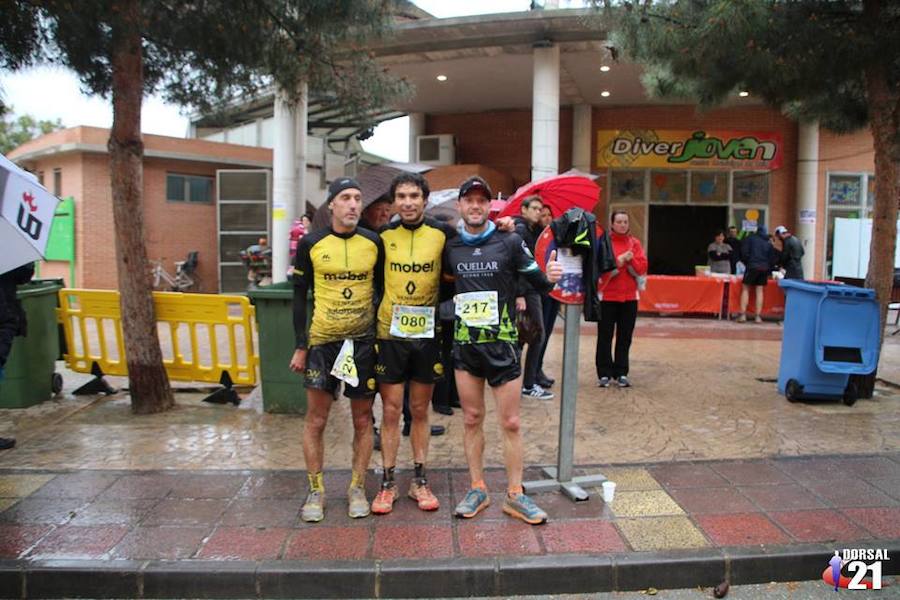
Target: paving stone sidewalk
point(701, 511)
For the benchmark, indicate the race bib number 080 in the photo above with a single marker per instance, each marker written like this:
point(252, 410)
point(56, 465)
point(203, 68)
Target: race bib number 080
point(412, 321)
point(478, 309)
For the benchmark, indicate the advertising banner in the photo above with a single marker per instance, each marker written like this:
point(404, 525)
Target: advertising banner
point(689, 149)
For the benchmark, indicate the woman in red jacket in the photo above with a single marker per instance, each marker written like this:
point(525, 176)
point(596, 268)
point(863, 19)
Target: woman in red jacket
point(618, 291)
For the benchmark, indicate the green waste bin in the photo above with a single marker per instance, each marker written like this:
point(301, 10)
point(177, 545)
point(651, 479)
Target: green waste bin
point(282, 389)
point(29, 375)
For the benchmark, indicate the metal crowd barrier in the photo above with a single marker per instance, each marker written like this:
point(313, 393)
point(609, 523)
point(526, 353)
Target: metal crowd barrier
point(204, 338)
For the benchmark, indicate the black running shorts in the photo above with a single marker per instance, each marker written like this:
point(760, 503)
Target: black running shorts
point(498, 362)
point(320, 359)
point(402, 360)
point(755, 277)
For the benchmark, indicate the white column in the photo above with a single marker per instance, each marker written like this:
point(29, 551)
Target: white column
point(581, 137)
point(808, 192)
point(416, 128)
point(284, 183)
point(545, 113)
point(301, 121)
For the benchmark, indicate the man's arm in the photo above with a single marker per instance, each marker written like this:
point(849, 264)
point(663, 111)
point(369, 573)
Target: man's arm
point(302, 278)
point(528, 268)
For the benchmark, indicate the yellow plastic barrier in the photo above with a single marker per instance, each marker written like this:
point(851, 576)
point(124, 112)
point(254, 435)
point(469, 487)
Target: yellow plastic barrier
point(202, 336)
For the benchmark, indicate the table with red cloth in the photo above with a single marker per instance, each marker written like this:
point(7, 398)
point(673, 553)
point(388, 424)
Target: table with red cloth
point(682, 294)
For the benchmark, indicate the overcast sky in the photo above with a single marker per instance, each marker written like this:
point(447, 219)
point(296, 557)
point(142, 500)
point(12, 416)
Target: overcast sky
point(53, 93)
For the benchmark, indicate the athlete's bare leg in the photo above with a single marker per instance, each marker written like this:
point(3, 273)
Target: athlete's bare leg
point(471, 398)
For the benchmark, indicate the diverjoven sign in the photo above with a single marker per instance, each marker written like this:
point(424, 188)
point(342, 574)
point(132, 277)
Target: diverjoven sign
point(688, 149)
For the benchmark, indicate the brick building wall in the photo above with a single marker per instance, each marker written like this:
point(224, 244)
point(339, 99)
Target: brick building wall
point(171, 229)
point(838, 153)
point(500, 140)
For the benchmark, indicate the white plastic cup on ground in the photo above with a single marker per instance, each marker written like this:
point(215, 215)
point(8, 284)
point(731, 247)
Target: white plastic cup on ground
point(609, 491)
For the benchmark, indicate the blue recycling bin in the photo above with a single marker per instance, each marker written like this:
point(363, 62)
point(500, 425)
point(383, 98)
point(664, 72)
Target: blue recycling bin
point(830, 332)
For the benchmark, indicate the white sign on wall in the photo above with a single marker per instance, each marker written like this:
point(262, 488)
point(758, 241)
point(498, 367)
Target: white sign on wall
point(852, 239)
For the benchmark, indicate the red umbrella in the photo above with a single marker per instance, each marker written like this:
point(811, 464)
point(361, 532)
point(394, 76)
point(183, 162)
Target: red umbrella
point(559, 192)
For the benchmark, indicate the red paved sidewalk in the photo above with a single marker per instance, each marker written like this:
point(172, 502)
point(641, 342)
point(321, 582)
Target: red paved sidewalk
point(254, 516)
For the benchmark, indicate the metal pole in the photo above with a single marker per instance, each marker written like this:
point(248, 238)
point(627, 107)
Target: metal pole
point(569, 393)
point(560, 477)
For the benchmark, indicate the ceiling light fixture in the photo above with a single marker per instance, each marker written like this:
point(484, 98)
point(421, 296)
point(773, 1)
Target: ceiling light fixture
point(605, 94)
point(604, 68)
point(442, 78)
point(743, 94)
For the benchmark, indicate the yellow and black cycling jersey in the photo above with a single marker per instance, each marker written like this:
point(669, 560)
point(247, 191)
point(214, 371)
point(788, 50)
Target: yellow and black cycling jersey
point(344, 272)
point(412, 278)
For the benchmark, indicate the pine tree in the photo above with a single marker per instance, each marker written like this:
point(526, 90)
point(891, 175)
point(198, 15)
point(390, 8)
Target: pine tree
point(205, 55)
point(835, 61)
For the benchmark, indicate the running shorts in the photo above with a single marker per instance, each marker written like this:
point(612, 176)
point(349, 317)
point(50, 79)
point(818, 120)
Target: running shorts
point(320, 360)
point(755, 277)
point(498, 362)
point(402, 360)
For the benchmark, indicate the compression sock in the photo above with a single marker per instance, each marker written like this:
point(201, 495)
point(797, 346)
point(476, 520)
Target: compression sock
point(387, 480)
point(420, 473)
point(358, 479)
point(316, 482)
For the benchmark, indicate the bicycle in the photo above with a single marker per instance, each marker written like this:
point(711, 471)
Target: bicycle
point(186, 277)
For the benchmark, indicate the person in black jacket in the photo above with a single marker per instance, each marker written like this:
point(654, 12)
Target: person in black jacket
point(758, 255)
point(12, 320)
point(732, 240)
point(529, 302)
point(791, 254)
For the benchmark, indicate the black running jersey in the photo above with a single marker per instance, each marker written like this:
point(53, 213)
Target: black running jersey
point(344, 271)
point(486, 279)
point(412, 274)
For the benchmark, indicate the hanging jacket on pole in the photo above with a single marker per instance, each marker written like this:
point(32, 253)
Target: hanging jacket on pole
point(577, 229)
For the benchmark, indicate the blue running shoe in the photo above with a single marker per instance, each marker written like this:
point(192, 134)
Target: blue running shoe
point(522, 507)
point(476, 500)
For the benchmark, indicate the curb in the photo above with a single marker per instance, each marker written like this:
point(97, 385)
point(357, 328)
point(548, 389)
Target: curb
point(565, 574)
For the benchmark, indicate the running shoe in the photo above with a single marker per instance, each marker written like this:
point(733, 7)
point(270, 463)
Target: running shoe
point(522, 507)
point(476, 500)
point(358, 505)
point(538, 392)
point(623, 382)
point(758, 319)
point(421, 493)
point(742, 318)
point(313, 509)
point(384, 501)
point(603, 382)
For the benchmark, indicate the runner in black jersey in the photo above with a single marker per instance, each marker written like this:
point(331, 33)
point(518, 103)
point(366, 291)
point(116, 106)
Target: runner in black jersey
point(486, 265)
point(343, 266)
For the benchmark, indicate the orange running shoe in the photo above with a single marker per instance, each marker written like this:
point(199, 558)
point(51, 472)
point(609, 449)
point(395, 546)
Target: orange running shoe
point(384, 501)
point(421, 493)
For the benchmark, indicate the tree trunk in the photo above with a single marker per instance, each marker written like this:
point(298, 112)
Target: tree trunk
point(884, 122)
point(147, 379)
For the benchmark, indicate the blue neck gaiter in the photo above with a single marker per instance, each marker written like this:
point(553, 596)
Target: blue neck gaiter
point(470, 239)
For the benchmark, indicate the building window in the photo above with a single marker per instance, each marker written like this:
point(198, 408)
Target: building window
point(40, 176)
point(57, 182)
point(189, 188)
point(850, 196)
point(668, 187)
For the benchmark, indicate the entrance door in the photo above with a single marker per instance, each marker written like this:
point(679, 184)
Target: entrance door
point(679, 235)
